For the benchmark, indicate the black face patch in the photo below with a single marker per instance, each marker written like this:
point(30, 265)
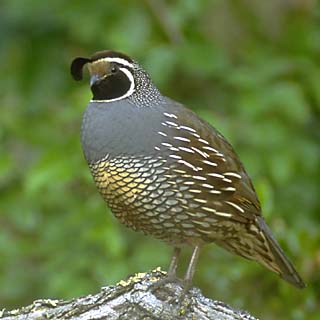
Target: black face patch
point(116, 85)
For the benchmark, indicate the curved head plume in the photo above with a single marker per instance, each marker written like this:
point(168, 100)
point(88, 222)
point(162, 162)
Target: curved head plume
point(77, 66)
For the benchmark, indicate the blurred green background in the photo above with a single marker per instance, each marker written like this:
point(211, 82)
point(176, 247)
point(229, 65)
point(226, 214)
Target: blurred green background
point(250, 68)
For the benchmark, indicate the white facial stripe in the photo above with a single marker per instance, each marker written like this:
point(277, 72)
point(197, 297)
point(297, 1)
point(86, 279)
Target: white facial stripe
point(129, 92)
point(124, 62)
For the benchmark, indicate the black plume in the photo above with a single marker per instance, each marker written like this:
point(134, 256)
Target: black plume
point(76, 67)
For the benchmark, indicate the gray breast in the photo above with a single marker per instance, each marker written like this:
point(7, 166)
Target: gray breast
point(119, 128)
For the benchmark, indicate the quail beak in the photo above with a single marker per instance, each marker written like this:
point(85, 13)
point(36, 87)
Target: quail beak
point(94, 78)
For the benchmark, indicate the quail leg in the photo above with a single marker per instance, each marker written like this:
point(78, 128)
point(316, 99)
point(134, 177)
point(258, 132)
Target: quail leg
point(187, 281)
point(191, 268)
point(171, 275)
point(174, 262)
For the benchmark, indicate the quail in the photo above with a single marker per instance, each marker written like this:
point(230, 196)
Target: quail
point(164, 171)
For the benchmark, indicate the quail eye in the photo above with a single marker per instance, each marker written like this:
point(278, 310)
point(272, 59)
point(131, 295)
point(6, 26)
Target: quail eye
point(114, 69)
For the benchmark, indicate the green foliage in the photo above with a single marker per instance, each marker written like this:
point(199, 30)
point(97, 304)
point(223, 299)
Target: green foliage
point(249, 68)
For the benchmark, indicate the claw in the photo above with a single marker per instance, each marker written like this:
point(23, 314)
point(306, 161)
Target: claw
point(170, 278)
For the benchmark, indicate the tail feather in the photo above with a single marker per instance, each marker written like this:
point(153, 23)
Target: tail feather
point(285, 267)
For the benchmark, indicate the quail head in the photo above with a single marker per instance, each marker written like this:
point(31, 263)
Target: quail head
point(164, 171)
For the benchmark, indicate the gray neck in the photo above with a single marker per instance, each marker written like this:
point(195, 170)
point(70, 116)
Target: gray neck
point(146, 94)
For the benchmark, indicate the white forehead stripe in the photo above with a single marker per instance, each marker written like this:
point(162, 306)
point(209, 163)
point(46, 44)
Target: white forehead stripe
point(117, 60)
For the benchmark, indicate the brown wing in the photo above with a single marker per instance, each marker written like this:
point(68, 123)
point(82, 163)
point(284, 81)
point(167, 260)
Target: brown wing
point(204, 157)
